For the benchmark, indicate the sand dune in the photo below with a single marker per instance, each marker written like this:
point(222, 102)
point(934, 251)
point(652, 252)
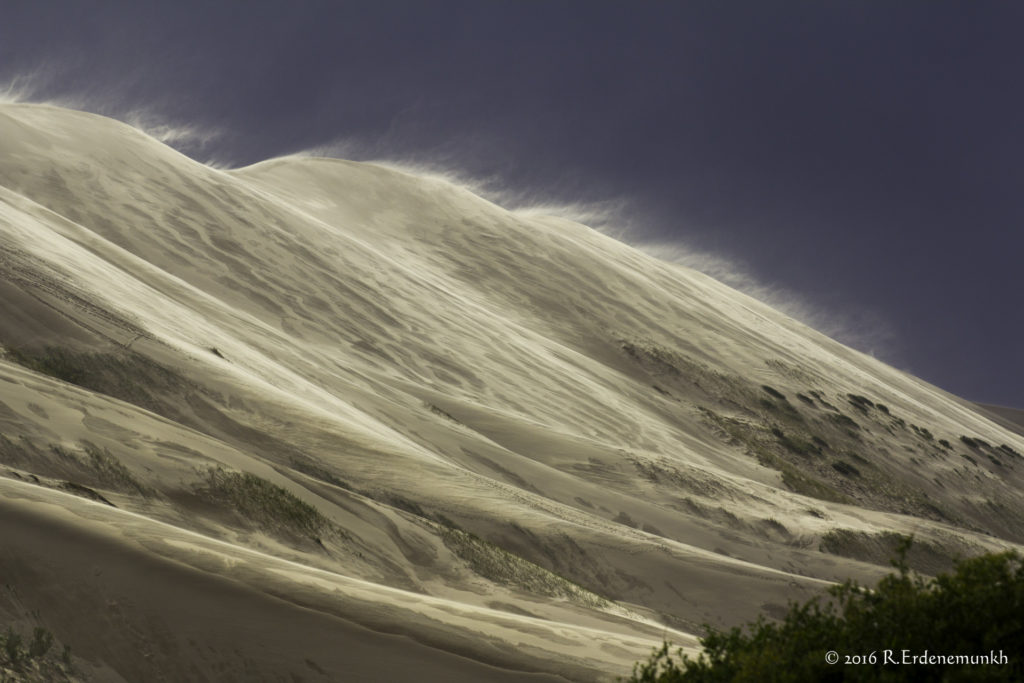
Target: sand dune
point(250, 415)
point(1011, 418)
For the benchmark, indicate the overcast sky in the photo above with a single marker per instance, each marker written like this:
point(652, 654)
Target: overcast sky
point(858, 163)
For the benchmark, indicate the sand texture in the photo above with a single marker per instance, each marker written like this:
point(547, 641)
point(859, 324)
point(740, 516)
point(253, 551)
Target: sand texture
point(327, 421)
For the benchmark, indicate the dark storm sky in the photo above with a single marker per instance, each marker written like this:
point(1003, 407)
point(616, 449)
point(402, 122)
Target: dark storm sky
point(863, 158)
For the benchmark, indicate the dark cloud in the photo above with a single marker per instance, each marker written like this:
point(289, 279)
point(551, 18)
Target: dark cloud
point(865, 155)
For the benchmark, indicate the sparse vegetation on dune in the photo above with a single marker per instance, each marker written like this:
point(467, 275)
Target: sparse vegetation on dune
point(112, 471)
point(504, 568)
point(78, 470)
point(924, 556)
point(265, 504)
point(120, 373)
point(492, 562)
point(830, 456)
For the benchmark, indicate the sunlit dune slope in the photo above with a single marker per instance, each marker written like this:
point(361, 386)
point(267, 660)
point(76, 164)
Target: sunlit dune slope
point(365, 403)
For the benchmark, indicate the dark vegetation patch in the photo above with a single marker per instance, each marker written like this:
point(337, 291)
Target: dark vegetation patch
point(846, 469)
point(504, 568)
point(796, 444)
point(821, 399)
point(783, 410)
point(863, 467)
point(922, 432)
point(796, 451)
point(136, 379)
point(123, 374)
point(308, 467)
point(402, 503)
point(34, 657)
point(667, 474)
point(974, 443)
point(796, 478)
point(807, 485)
point(659, 361)
point(491, 561)
point(443, 413)
point(14, 452)
point(854, 455)
point(264, 504)
point(718, 515)
point(774, 526)
point(844, 421)
point(670, 368)
point(876, 548)
point(1010, 451)
point(112, 472)
point(862, 403)
point(981, 447)
point(78, 472)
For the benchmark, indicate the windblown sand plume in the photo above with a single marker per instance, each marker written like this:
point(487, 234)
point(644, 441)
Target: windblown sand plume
point(320, 420)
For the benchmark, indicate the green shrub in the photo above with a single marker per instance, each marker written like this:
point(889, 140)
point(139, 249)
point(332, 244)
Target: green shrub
point(12, 647)
point(42, 641)
point(974, 611)
point(34, 660)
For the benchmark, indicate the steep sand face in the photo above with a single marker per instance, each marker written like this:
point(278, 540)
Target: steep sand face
point(368, 403)
point(1011, 418)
